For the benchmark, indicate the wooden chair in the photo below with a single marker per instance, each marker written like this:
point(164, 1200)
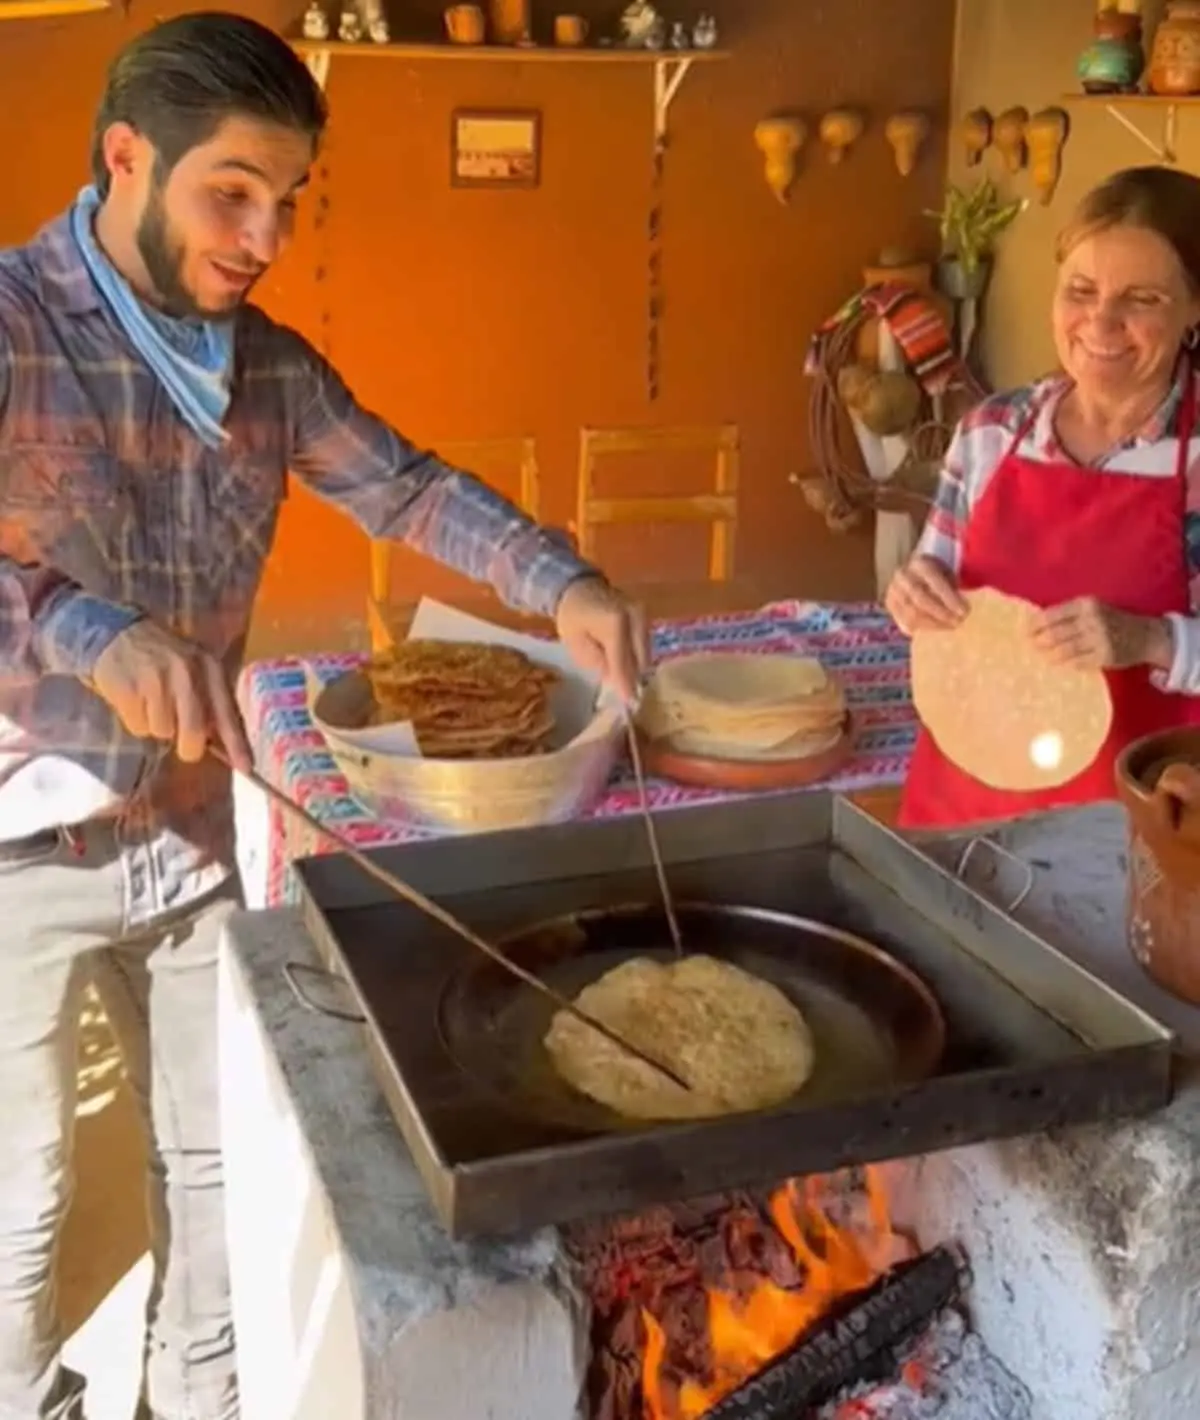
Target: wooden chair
point(718, 507)
point(472, 455)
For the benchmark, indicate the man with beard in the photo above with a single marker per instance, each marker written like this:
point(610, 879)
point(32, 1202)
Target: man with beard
point(148, 417)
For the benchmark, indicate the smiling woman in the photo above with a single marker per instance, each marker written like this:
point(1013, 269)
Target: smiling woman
point(1081, 493)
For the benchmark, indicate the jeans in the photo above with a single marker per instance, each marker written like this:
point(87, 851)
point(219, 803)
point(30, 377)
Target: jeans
point(62, 910)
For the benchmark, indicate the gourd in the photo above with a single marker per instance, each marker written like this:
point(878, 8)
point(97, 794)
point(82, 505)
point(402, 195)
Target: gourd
point(976, 135)
point(780, 141)
point(1008, 134)
point(840, 129)
point(1045, 135)
point(906, 132)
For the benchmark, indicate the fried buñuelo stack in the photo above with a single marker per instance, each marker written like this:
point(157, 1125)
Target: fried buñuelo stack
point(464, 699)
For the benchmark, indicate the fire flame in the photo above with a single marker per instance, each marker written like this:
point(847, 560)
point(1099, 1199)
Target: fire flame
point(747, 1329)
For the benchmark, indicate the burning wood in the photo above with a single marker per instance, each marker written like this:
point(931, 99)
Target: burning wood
point(857, 1340)
point(692, 1302)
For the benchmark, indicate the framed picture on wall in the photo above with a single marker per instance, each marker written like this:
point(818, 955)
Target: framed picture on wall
point(495, 147)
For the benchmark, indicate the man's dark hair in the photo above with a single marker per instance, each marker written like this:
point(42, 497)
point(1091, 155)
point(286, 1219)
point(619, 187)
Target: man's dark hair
point(179, 81)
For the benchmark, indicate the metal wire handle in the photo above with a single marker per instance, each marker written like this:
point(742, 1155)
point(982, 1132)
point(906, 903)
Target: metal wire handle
point(999, 850)
point(292, 971)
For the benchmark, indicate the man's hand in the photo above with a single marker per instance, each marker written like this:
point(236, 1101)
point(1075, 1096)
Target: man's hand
point(1087, 635)
point(165, 688)
point(604, 634)
point(922, 597)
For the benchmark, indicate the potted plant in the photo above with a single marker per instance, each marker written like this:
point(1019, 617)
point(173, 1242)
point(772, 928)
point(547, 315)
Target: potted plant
point(970, 221)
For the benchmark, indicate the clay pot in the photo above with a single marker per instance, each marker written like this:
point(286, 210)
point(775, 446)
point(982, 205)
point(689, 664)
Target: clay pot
point(1117, 24)
point(1111, 66)
point(1175, 58)
point(510, 21)
point(464, 24)
point(897, 265)
point(1158, 781)
point(570, 31)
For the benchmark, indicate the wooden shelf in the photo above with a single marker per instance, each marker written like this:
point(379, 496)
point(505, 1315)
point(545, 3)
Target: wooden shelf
point(509, 53)
point(669, 66)
point(36, 9)
point(1149, 100)
point(1164, 104)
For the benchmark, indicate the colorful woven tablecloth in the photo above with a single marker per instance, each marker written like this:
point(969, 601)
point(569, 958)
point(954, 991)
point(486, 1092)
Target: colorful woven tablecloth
point(856, 641)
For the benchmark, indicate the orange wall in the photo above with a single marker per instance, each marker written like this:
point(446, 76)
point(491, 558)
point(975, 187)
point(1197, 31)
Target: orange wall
point(463, 314)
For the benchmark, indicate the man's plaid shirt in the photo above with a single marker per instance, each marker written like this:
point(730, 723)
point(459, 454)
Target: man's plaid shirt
point(112, 508)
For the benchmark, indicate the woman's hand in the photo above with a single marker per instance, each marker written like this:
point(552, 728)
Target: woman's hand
point(1087, 635)
point(922, 597)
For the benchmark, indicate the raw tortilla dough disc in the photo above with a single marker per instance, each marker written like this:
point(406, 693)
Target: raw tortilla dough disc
point(997, 708)
point(736, 1039)
point(731, 705)
point(729, 681)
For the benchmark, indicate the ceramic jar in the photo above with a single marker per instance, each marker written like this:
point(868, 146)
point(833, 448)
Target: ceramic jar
point(1156, 782)
point(1175, 59)
point(510, 21)
point(1114, 61)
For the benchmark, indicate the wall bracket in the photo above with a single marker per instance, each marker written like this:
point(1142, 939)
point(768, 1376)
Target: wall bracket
point(669, 74)
point(318, 65)
point(1164, 151)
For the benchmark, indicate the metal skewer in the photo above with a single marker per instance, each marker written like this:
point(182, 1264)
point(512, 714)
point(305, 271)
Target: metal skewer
point(664, 887)
point(439, 914)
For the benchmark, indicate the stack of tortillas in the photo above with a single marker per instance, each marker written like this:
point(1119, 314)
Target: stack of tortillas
point(723, 705)
point(998, 708)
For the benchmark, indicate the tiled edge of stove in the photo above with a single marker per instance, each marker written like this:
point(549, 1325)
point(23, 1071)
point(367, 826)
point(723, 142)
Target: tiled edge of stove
point(1084, 1245)
point(349, 1298)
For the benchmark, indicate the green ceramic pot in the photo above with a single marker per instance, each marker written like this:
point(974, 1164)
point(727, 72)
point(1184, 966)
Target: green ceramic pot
point(1111, 66)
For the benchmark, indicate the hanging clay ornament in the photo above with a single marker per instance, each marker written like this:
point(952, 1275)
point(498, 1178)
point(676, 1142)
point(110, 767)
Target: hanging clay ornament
point(887, 402)
point(1045, 135)
point(906, 132)
point(780, 141)
point(840, 129)
point(1008, 134)
point(976, 135)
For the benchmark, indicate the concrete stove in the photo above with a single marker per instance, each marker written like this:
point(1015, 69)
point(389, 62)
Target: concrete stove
point(351, 1300)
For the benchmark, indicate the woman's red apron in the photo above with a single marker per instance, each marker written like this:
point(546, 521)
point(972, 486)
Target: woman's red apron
point(1052, 532)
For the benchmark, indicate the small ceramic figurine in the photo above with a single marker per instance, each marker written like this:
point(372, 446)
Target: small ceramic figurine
point(704, 35)
point(640, 23)
point(679, 36)
point(350, 26)
point(316, 22)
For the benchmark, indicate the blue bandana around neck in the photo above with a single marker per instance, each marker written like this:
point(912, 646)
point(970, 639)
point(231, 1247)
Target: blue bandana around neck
point(192, 359)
